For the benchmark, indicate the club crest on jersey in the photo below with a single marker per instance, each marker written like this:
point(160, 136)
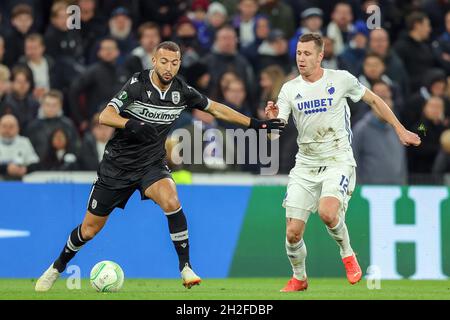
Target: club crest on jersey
point(330, 89)
point(176, 97)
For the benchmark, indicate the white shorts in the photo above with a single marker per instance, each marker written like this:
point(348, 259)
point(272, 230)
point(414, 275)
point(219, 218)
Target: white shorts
point(307, 185)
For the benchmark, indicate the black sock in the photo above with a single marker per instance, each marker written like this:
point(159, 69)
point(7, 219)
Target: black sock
point(73, 245)
point(179, 235)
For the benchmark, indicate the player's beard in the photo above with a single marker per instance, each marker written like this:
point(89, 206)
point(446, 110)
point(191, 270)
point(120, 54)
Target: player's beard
point(162, 80)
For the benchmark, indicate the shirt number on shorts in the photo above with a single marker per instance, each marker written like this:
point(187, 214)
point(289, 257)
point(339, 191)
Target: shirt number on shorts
point(344, 184)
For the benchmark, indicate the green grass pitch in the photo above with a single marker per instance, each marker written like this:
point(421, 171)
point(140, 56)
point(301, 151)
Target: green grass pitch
point(233, 288)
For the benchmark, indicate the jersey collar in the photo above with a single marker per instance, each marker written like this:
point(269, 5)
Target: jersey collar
point(324, 75)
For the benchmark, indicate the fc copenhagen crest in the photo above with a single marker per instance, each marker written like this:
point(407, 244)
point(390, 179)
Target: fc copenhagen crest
point(330, 89)
point(176, 97)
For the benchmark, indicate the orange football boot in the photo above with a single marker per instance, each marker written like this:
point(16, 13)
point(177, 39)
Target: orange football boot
point(295, 285)
point(352, 269)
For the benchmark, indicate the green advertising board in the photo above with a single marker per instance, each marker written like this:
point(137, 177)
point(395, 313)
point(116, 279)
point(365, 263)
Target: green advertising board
point(403, 231)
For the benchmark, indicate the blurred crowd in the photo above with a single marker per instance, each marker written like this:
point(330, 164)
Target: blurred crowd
point(55, 79)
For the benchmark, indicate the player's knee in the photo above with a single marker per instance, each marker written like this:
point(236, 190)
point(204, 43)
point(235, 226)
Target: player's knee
point(329, 210)
point(171, 204)
point(89, 230)
point(328, 214)
point(293, 235)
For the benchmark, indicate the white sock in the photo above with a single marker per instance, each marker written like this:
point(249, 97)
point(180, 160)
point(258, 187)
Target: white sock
point(340, 234)
point(296, 253)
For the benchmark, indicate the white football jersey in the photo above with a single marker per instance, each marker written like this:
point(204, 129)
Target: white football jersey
point(322, 117)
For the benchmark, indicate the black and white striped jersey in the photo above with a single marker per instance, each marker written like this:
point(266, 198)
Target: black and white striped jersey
point(142, 100)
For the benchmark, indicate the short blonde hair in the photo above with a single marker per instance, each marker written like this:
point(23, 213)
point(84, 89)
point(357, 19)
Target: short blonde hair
point(317, 38)
point(5, 74)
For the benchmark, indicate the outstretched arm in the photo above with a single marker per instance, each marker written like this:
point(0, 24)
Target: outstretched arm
point(406, 137)
point(225, 113)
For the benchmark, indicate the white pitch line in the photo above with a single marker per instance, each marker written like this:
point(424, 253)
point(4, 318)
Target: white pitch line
point(6, 233)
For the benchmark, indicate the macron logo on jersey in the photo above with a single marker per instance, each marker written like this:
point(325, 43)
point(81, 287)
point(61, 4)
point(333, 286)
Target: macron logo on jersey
point(315, 106)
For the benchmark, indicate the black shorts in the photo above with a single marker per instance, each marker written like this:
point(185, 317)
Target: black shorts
point(114, 186)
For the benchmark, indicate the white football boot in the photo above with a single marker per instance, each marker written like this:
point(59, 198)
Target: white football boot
point(189, 277)
point(46, 281)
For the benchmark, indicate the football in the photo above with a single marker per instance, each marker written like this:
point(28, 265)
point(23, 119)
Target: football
point(107, 276)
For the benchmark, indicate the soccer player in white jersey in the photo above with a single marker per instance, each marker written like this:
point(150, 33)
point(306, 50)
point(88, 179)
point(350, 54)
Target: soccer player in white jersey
point(323, 178)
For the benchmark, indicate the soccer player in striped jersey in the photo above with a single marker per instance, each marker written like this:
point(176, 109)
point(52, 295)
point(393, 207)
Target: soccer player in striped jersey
point(143, 113)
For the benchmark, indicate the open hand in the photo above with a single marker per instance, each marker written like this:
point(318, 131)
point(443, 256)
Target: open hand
point(271, 110)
